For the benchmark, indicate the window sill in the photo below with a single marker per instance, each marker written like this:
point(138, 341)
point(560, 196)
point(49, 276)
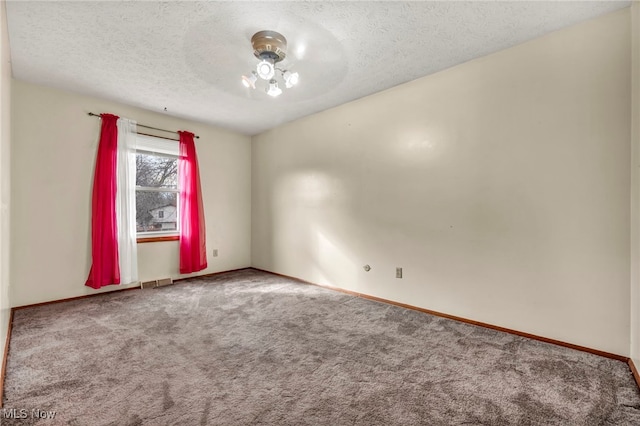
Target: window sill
point(157, 239)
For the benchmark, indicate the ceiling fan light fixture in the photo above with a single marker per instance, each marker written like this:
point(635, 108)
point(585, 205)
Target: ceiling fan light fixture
point(273, 89)
point(250, 80)
point(270, 48)
point(265, 69)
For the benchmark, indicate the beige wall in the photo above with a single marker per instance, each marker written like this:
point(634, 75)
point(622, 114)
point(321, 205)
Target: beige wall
point(501, 186)
point(5, 134)
point(53, 155)
point(635, 187)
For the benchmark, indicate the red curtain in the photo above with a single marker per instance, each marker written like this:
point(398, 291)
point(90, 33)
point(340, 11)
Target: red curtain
point(104, 231)
point(193, 250)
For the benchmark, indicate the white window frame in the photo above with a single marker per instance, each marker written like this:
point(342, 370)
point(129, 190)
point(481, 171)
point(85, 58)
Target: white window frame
point(159, 147)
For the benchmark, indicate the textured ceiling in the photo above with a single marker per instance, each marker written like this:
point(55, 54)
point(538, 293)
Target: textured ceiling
point(188, 56)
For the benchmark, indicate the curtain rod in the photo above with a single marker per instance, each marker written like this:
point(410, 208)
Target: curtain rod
point(146, 127)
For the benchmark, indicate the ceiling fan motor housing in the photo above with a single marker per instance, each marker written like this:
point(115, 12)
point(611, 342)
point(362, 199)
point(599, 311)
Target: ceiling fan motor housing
point(269, 45)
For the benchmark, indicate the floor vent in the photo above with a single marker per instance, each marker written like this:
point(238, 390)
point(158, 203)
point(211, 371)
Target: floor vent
point(164, 281)
point(156, 283)
point(149, 284)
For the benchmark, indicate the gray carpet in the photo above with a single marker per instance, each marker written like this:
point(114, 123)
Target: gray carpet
point(252, 348)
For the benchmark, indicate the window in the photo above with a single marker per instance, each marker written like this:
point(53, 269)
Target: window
point(157, 209)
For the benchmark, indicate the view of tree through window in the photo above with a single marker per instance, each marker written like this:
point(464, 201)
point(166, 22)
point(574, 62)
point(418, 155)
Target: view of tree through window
point(156, 192)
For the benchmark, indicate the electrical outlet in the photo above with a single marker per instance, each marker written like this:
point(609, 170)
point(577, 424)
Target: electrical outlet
point(215, 252)
point(398, 272)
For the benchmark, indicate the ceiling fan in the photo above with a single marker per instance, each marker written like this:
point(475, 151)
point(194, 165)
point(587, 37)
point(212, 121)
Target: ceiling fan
point(270, 47)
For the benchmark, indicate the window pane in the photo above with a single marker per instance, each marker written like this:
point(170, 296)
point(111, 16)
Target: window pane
point(156, 211)
point(156, 171)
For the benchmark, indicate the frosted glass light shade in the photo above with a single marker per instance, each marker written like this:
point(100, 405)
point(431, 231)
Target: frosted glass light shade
point(265, 70)
point(250, 80)
point(273, 89)
point(290, 79)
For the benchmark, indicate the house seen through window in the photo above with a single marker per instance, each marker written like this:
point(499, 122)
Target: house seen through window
point(157, 210)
